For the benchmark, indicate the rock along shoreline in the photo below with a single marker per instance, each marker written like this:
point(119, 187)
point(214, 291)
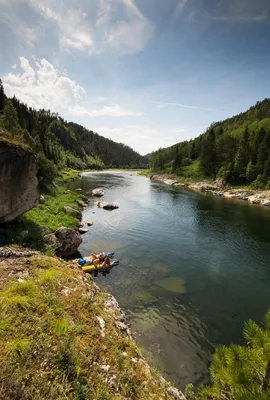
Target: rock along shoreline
point(260, 196)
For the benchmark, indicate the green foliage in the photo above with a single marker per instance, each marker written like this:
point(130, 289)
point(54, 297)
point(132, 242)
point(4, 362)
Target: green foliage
point(242, 372)
point(47, 171)
point(186, 162)
point(251, 172)
point(236, 150)
point(10, 119)
point(18, 348)
point(259, 182)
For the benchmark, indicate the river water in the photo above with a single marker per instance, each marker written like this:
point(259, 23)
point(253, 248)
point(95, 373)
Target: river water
point(193, 268)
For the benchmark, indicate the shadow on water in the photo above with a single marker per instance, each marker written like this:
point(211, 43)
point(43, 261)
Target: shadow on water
point(192, 268)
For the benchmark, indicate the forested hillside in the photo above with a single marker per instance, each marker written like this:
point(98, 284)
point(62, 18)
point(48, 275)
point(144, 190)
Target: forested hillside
point(60, 144)
point(236, 150)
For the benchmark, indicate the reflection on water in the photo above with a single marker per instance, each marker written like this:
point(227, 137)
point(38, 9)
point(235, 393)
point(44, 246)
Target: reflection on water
point(193, 267)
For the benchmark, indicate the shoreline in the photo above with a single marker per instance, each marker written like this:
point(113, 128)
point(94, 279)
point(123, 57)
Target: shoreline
point(262, 196)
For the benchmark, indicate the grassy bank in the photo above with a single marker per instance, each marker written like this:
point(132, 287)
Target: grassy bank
point(59, 339)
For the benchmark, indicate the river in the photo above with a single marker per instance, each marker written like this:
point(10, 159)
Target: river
point(193, 267)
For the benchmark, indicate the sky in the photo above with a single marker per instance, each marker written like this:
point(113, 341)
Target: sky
point(147, 73)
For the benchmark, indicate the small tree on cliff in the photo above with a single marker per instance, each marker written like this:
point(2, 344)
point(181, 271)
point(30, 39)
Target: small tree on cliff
point(10, 119)
point(242, 372)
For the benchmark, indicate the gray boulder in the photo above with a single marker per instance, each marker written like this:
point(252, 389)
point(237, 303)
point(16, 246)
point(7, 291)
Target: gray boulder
point(107, 206)
point(72, 211)
point(69, 241)
point(18, 181)
point(82, 231)
point(98, 192)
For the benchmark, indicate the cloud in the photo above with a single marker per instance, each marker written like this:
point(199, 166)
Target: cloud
point(233, 11)
point(107, 111)
point(44, 86)
point(167, 104)
point(180, 6)
point(142, 138)
point(116, 25)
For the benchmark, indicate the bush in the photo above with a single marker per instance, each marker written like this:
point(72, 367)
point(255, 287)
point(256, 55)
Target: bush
point(259, 182)
point(186, 162)
point(47, 171)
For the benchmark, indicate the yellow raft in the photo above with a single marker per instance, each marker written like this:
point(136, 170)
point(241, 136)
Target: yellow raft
point(97, 267)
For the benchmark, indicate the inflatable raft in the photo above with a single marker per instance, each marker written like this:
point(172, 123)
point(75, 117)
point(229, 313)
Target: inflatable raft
point(99, 267)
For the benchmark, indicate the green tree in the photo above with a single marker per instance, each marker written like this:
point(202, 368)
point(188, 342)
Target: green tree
point(242, 372)
point(208, 155)
point(10, 118)
point(176, 162)
point(2, 96)
point(242, 157)
point(251, 172)
point(47, 171)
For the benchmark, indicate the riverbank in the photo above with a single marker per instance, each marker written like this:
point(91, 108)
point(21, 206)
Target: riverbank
point(258, 196)
point(62, 337)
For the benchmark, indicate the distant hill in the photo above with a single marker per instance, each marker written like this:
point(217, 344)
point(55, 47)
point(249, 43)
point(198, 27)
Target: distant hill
point(236, 150)
point(64, 144)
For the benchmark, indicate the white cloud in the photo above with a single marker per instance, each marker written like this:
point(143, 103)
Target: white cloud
point(141, 138)
point(109, 111)
point(167, 104)
point(44, 86)
point(95, 28)
point(180, 6)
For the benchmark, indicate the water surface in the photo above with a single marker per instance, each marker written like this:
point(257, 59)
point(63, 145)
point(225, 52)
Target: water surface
point(193, 267)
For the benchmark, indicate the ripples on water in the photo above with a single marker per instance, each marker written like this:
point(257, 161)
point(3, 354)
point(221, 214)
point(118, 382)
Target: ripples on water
point(193, 268)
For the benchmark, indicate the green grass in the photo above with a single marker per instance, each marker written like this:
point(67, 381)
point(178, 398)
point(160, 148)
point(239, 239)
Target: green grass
point(54, 349)
point(192, 171)
point(14, 140)
point(68, 174)
point(49, 215)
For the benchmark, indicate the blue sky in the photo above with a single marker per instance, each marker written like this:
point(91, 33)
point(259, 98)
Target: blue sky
point(148, 73)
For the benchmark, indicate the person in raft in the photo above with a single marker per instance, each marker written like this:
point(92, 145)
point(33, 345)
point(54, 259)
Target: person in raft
point(106, 263)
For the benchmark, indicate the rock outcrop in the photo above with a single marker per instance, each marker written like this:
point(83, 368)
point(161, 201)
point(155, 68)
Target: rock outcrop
point(69, 241)
point(18, 181)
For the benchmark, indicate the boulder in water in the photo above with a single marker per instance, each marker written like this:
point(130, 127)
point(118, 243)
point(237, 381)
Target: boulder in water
point(107, 206)
point(98, 192)
point(82, 231)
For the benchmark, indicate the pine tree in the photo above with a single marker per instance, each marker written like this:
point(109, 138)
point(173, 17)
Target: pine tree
point(242, 157)
point(242, 372)
point(208, 155)
point(2, 96)
point(10, 118)
point(176, 162)
point(251, 172)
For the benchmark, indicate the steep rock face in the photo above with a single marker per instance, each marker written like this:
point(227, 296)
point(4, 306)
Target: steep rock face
point(18, 182)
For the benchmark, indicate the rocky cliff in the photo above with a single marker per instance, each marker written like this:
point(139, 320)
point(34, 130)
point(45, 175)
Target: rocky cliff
point(18, 181)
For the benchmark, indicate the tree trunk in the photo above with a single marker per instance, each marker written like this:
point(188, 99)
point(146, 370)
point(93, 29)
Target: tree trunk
point(265, 382)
